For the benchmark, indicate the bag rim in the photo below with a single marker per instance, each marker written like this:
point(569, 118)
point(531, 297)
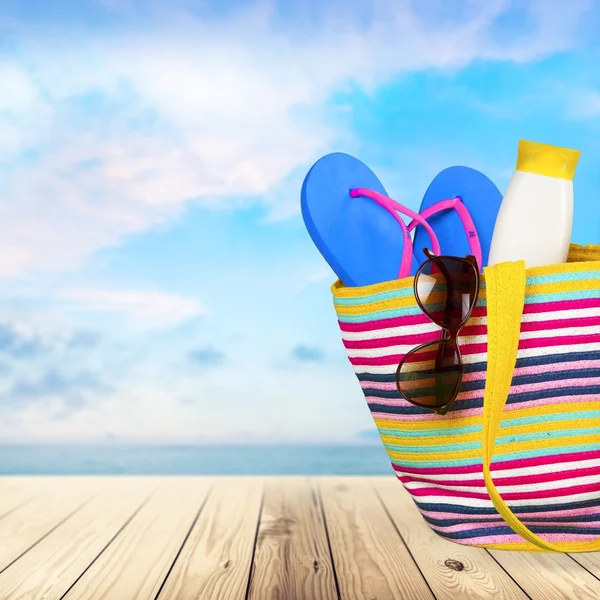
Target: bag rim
point(577, 261)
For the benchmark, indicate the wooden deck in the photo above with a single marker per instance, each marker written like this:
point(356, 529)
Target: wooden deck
point(229, 538)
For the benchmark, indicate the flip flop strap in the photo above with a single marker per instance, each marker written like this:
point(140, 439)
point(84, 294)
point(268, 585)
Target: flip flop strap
point(466, 219)
point(392, 206)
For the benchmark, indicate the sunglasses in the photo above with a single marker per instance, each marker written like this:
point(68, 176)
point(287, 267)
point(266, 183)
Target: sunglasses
point(446, 289)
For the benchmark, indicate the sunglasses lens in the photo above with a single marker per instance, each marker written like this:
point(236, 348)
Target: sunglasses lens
point(446, 288)
point(430, 375)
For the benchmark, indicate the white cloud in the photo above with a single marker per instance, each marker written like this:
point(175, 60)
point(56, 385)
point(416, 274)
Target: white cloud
point(583, 104)
point(145, 309)
point(128, 127)
point(135, 385)
point(19, 92)
point(125, 128)
point(249, 402)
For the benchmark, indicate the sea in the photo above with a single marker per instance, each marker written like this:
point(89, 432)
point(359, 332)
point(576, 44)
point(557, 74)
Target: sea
point(363, 459)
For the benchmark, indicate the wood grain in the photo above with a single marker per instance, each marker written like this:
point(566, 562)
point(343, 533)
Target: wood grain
point(588, 560)
point(292, 559)
point(548, 575)
point(31, 521)
point(52, 566)
point(370, 558)
point(215, 561)
point(452, 570)
point(97, 537)
point(135, 565)
point(14, 493)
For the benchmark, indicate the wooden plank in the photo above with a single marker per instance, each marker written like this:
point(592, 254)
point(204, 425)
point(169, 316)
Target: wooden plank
point(588, 560)
point(452, 570)
point(371, 560)
point(14, 493)
point(31, 521)
point(135, 565)
point(548, 575)
point(292, 558)
point(216, 559)
point(50, 568)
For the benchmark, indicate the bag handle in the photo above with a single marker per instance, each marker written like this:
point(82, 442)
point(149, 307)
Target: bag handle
point(505, 293)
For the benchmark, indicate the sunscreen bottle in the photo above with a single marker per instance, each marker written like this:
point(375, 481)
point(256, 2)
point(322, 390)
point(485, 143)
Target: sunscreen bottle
point(535, 219)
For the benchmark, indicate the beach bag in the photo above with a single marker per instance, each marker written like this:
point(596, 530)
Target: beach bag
point(515, 463)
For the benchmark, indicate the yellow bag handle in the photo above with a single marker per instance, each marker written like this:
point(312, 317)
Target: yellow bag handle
point(505, 292)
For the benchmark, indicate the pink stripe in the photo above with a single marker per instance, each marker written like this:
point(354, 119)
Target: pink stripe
point(517, 539)
point(502, 465)
point(549, 325)
point(413, 339)
point(538, 494)
point(551, 385)
point(560, 324)
point(388, 386)
point(552, 459)
point(475, 412)
point(567, 340)
point(518, 372)
point(526, 388)
point(500, 522)
point(577, 365)
point(548, 401)
point(541, 307)
point(421, 338)
point(480, 311)
point(508, 481)
point(430, 416)
point(401, 403)
point(588, 510)
point(466, 349)
point(398, 402)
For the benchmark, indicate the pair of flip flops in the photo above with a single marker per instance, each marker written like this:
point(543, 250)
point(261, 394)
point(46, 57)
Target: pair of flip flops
point(362, 240)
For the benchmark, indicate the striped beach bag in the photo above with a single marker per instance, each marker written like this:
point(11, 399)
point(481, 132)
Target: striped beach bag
point(515, 463)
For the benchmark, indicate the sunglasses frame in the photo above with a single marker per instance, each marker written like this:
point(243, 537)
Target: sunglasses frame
point(449, 336)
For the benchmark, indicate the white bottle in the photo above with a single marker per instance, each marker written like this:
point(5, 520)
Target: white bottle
point(536, 215)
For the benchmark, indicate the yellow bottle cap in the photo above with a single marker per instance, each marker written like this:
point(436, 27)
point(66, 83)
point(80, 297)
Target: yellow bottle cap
point(544, 159)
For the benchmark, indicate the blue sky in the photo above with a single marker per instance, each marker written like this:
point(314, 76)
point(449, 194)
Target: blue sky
point(158, 283)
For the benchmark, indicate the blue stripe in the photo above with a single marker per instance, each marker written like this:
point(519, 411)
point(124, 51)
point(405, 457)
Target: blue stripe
point(574, 416)
point(561, 277)
point(471, 386)
point(482, 510)
point(572, 519)
point(419, 433)
point(590, 414)
point(491, 511)
point(439, 448)
point(500, 441)
point(532, 361)
point(583, 390)
point(558, 296)
point(505, 530)
point(548, 435)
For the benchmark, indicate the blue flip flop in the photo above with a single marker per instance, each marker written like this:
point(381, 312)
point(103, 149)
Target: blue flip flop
point(361, 241)
point(481, 198)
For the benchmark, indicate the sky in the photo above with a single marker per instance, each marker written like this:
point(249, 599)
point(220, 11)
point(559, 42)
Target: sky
point(158, 284)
